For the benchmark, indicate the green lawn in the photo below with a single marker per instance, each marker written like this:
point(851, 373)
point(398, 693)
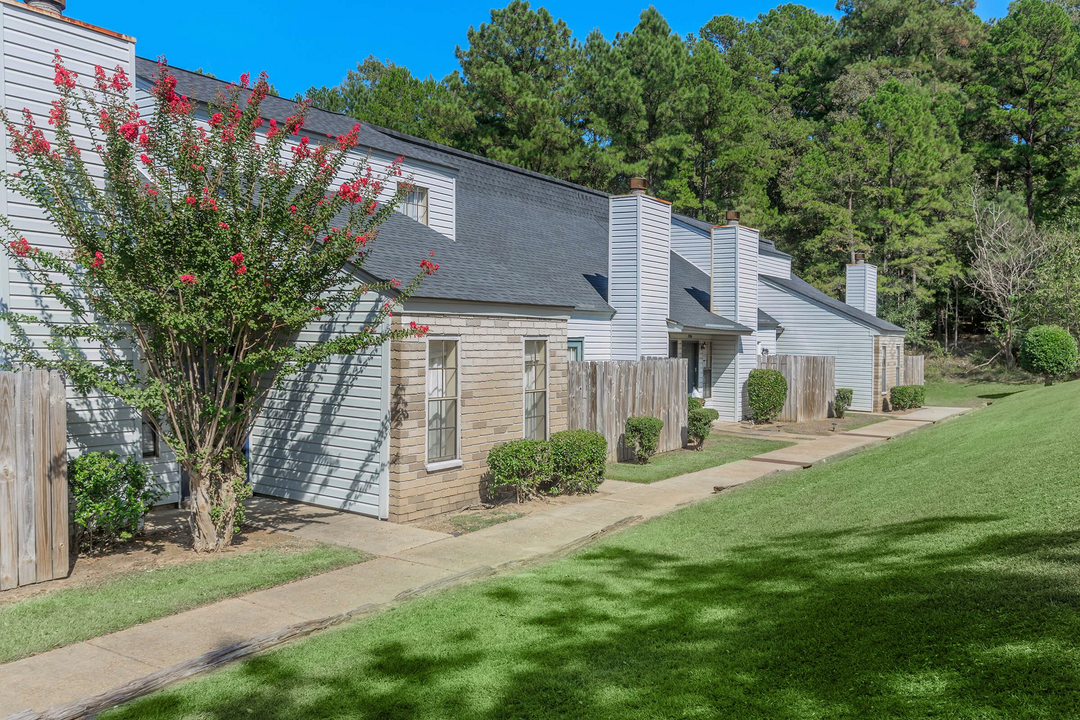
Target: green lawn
point(937, 575)
point(719, 450)
point(958, 393)
point(67, 616)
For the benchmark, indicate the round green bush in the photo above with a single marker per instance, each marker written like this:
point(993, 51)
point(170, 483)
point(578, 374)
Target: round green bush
point(524, 465)
point(112, 496)
point(767, 392)
point(578, 461)
point(842, 401)
point(643, 436)
point(1048, 350)
point(699, 424)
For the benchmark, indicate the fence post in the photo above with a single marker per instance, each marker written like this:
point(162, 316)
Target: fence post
point(9, 538)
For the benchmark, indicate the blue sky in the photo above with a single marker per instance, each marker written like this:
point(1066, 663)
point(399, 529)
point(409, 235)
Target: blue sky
point(302, 45)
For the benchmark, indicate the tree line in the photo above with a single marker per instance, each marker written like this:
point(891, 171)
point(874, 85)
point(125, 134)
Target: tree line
point(867, 132)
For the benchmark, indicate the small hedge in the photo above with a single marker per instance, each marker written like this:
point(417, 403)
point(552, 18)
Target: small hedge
point(1048, 350)
point(699, 424)
point(906, 397)
point(523, 464)
point(643, 436)
point(578, 460)
point(767, 392)
point(573, 461)
point(842, 401)
point(112, 496)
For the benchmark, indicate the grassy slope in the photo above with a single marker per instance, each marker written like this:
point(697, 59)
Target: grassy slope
point(935, 575)
point(953, 393)
point(719, 450)
point(67, 616)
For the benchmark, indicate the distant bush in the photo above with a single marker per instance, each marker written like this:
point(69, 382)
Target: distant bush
point(767, 392)
point(643, 436)
point(578, 461)
point(842, 401)
point(523, 464)
point(112, 496)
point(906, 397)
point(699, 424)
point(1048, 350)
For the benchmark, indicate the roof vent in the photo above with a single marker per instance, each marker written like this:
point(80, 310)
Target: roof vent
point(860, 258)
point(638, 186)
point(56, 6)
point(733, 217)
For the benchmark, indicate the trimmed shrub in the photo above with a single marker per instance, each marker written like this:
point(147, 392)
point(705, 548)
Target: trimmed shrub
point(699, 424)
point(693, 402)
point(906, 397)
point(112, 496)
point(1048, 350)
point(523, 464)
point(643, 436)
point(578, 461)
point(767, 392)
point(842, 401)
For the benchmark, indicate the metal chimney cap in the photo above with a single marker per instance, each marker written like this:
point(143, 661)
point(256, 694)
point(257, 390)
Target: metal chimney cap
point(860, 258)
point(732, 216)
point(638, 186)
point(56, 6)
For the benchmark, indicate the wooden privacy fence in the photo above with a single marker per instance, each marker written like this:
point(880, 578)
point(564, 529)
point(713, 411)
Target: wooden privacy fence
point(603, 394)
point(913, 370)
point(811, 383)
point(33, 478)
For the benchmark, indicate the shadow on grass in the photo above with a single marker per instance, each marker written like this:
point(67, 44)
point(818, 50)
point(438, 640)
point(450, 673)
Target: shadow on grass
point(938, 616)
point(998, 396)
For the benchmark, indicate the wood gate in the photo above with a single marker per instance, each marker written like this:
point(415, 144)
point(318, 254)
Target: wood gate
point(34, 511)
point(603, 394)
point(811, 383)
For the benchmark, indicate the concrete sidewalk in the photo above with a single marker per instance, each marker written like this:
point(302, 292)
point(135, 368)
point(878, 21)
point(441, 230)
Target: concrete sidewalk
point(409, 560)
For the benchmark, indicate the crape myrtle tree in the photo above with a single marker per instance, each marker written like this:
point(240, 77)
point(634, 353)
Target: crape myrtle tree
point(213, 240)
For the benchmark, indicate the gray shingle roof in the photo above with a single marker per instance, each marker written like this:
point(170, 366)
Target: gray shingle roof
point(765, 246)
point(688, 299)
point(801, 287)
point(764, 319)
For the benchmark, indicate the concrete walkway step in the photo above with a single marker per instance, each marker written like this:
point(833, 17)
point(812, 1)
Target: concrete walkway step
point(409, 561)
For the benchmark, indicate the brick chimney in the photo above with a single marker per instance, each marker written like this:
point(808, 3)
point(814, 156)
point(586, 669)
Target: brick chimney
point(861, 285)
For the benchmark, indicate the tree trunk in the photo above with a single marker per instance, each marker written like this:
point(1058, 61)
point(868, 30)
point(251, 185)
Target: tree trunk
point(215, 502)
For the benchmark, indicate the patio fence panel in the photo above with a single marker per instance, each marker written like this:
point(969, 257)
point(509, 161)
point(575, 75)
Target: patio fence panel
point(34, 511)
point(604, 393)
point(913, 370)
point(811, 383)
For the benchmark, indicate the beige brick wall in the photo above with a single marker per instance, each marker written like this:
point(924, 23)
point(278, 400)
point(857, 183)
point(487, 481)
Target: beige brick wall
point(491, 358)
point(893, 347)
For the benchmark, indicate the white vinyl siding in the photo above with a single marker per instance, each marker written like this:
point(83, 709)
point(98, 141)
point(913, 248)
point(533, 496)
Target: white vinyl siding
point(536, 389)
point(724, 377)
point(767, 340)
point(695, 246)
point(639, 256)
point(595, 331)
point(860, 287)
point(775, 265)
point(29, 40)
point(811, 328)
point(735, 294)
point(322, 437)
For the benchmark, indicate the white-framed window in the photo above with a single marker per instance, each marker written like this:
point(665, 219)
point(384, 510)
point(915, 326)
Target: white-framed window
point(415, 203)
point(536, 389)
point(442, 400)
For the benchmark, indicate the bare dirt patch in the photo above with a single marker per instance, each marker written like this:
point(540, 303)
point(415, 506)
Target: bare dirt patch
point(164, 542)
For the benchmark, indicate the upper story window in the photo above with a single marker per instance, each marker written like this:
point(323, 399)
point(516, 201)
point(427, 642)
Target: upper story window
point(442, 400)
point(536, 385)
point(415, 204)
